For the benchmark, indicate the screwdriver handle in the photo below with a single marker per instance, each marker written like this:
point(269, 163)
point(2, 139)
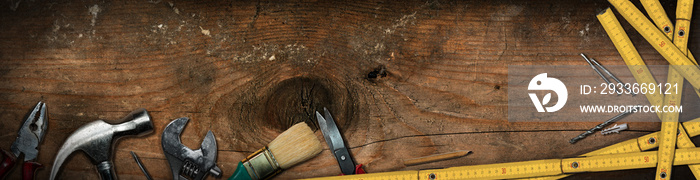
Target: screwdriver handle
point(28, 169)
point(7, 161)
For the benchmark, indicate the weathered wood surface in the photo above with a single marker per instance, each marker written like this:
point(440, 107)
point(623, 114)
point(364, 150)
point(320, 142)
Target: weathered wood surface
point(248, 70)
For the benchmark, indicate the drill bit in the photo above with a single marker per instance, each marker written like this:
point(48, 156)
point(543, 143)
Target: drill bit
point(602, 125)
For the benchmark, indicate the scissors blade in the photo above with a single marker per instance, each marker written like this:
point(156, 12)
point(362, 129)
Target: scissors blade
point(322, 123)
point(335, 142)
point(31, 133)
point(333, 132)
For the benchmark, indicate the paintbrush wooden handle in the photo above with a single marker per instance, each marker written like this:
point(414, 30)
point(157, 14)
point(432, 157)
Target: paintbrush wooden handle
point(433, 158)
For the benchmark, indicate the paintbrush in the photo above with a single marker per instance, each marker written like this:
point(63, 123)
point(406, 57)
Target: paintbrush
point(295, 145)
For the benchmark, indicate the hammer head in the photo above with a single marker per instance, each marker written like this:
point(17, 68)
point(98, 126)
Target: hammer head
point(96, 138)
point(193, 164)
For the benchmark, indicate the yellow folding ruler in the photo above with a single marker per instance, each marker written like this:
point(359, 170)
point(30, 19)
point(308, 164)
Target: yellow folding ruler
point(536, 168)
point(680, 39)
point(658, 15)
point(629, 55)
point(683, 13)
point(559, 166)
point(643, 143)
point(668, 126)
point(669, 123)
point(623, 155)
point(659, 41)
point(641, 73)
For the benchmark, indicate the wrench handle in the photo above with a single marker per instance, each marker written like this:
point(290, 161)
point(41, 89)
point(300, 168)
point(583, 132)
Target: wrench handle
point(28, 169)
point(7, 161)
point(106, 170)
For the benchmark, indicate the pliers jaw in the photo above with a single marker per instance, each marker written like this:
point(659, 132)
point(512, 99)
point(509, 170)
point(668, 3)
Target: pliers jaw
point(28, 138)
point(31, 133)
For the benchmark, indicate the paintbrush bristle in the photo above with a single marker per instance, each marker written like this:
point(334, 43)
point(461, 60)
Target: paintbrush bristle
point(295, 145)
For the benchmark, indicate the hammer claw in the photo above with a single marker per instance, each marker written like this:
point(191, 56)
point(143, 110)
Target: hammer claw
point(96, 140)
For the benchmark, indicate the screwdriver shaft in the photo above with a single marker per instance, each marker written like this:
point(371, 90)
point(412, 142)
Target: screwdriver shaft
point(136, 158)
point(595, 69)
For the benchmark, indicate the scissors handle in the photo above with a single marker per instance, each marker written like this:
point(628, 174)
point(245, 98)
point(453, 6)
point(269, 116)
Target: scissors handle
point(7, 161)
point(347, 166)
point(358, 170)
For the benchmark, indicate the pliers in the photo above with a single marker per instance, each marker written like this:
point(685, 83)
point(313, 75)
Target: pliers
point(28, 138)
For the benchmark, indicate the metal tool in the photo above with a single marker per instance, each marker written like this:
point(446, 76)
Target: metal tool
point(615, 129)
point(595, 68)
point(97, 138)
point(28, 138)
point(337, 144)
point(194, 164)
point(602, 125)
point(143, 169)
point(597, 65)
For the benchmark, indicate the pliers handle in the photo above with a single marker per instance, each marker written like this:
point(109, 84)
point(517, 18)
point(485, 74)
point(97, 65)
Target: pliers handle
point(8, 160)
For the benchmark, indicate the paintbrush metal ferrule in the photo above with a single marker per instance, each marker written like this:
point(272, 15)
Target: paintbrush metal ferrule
point(261, 164)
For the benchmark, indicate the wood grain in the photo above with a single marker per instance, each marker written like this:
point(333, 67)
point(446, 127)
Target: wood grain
point(247, 70)
point(435, 158)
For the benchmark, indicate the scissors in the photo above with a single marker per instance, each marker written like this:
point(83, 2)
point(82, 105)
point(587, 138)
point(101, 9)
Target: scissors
point(337, 144)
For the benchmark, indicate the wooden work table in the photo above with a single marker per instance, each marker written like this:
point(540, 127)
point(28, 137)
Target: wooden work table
point(247, 70)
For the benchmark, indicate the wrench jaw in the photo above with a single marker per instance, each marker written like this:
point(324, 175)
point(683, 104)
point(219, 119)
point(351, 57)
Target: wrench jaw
point(209, 149)
point(186, 163)
point(170, 141)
